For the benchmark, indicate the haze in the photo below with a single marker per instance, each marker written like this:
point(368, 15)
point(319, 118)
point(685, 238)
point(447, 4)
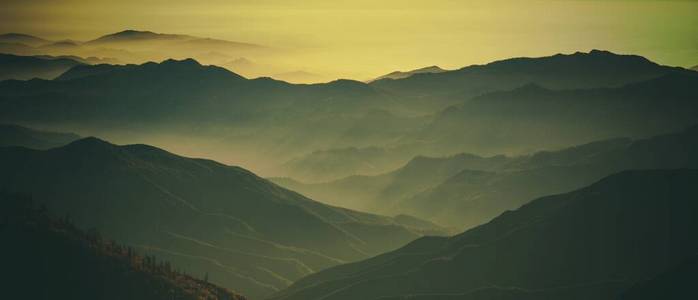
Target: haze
point(364, 39)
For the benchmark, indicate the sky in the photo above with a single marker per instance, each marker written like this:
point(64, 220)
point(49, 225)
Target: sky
point(362, 39)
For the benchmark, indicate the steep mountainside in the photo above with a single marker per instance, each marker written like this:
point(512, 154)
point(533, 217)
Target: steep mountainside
point(592, 243)
point(248, 233)
point(44, 258)
point(13, 135)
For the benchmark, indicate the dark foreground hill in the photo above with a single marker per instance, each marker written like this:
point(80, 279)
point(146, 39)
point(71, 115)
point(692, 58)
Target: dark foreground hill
point(246, 232)
point(45, 258)
point(678, 282)
point(593, 243)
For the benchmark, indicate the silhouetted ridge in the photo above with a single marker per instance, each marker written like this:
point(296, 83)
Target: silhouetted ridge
point(184, 62)
point(135, 35)
point(21, 38)
point(578, 70)
point(401, 74)
point(91, 142)
point(170, 68)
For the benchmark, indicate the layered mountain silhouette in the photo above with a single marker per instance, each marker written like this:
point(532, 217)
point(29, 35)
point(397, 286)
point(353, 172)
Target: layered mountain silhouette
point(533, 117)
point(136, 39)
point(579, 70)
point(401, 75)
point(270, 114)
point(273, 123)
point(592, 243)
point(14, 135)
point(135, 35)
point(134, 46)
point(467, 190)
point(46, 258)
point(247, 233)
point(28, 67)
point(25, 39)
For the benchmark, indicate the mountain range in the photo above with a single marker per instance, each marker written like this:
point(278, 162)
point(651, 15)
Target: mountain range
point(571, 176)
point(137, 47)
point(297, 126)
point(131, 46)
point(466, 190)
point(247, 233)
point(593, 243)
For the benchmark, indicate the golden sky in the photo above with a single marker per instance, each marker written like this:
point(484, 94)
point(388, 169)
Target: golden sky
point(361, 39)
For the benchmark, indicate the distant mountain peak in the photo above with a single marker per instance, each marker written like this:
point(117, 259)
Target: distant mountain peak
point(91, 142)
point(432, 69)
point(17, 35)
point(405, 74)
point(601, 52)
point(170, 67)
point(186, 61)
point(21, 38)
point(136, 35)
point(133, 32)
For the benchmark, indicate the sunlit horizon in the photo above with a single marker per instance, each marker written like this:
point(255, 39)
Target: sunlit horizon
point(361, 40)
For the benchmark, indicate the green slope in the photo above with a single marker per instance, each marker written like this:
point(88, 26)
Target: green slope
point(45, 258)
